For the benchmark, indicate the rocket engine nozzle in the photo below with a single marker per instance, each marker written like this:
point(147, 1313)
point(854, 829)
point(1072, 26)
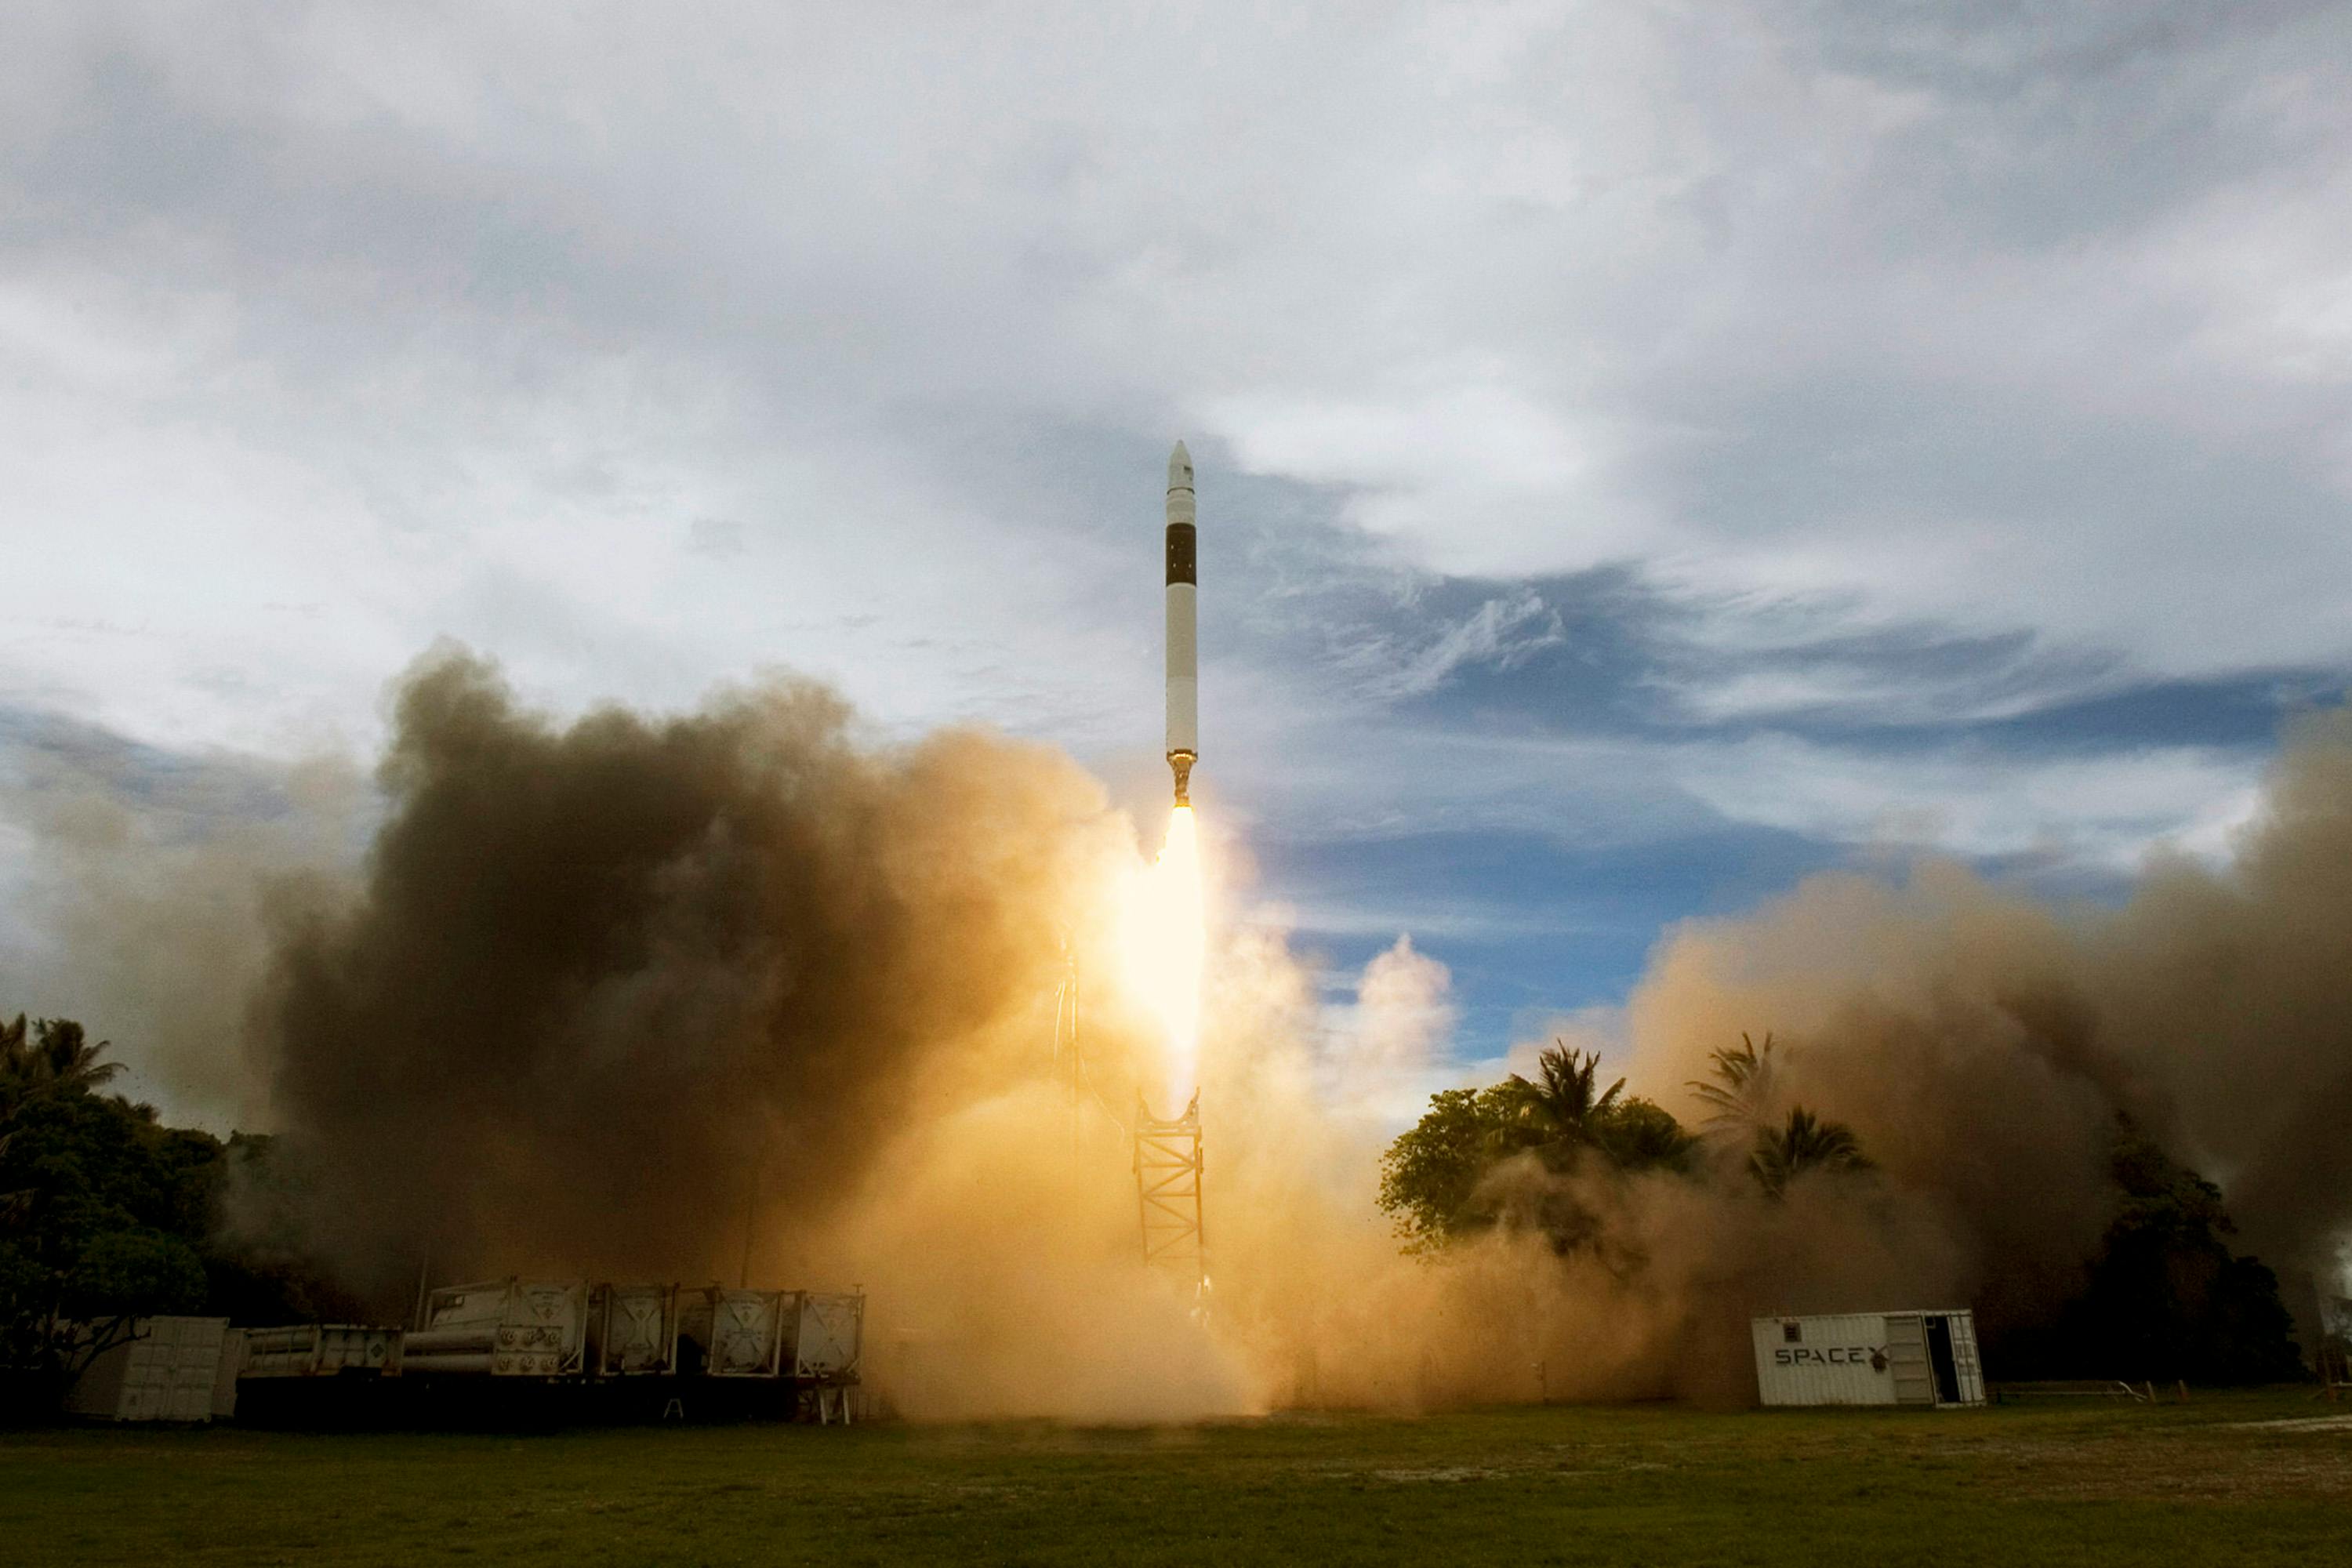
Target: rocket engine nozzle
point(1180, 765)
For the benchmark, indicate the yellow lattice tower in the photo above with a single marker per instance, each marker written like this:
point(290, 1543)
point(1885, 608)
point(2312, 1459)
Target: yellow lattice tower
point(1168, 1193)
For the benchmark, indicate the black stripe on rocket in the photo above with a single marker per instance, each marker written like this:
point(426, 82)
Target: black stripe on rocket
point(1182, 542)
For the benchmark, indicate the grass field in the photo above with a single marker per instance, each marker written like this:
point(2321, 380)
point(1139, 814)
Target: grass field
point(2235, 1478)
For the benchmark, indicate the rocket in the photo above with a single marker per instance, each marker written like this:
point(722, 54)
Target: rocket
point(1184, 643)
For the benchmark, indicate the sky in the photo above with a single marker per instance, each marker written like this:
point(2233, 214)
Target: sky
point(1646, 453)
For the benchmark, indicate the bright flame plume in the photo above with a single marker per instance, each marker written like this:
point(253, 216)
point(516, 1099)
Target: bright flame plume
point(1165, 941)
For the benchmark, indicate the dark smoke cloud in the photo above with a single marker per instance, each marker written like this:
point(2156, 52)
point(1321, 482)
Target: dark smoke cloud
point(603, 980)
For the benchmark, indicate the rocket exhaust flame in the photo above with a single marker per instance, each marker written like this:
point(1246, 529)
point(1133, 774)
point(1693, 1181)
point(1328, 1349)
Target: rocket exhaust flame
point(1165, 945)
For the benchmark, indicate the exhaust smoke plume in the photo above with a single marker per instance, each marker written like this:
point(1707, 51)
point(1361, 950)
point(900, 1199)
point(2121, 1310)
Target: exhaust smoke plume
point(609, 989)
point(650, 996)
point(1983, 1044)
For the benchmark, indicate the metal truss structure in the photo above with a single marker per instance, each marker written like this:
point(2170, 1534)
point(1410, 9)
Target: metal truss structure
point(1167, 1152)
point(1168, 1193)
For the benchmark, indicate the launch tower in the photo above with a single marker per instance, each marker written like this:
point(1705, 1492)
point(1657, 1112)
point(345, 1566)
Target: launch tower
point(1168, 1193)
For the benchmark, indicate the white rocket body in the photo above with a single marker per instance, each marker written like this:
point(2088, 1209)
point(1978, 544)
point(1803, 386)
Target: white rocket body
point(1184, 639)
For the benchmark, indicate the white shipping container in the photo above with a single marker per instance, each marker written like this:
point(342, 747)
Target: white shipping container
point(321, 1350)
point(633, 1330)
point(737, 1333)
point(501, 1328)
point(167, 1369)
point(827, 1329)
point(1925, 1358)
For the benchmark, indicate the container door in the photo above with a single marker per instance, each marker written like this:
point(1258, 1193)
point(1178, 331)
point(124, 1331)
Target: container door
point(189, 1396)
point(829, 1335)
point(226, 1372)
point(1940, 1361)
point(637, 1332)
point(1964, 1358)
point(558, 1313)
point(1906, 1359)
point(745, 1334)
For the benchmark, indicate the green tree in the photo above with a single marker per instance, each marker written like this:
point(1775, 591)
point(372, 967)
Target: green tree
point(1641, 1134)
point(2165, 1297)
point(58, 1059)
point(101, 1208)
point(108, 1214)
point(1561, 1107)
point(1429, 1175)
point(1436, 1177)
point(1803, 1143)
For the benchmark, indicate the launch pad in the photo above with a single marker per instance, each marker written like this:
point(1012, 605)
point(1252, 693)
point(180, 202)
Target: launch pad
point(1168, 1193)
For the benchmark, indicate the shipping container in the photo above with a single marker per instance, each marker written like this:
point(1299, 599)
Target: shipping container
point(322, 1350)
point(163, 1369)
point(1925, 1358)
point(735, 1333)
point(501, 1328)
point(827, 1329)
point(633, 1330)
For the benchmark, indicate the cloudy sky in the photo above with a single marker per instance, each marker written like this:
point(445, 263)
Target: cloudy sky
point(1647, 451)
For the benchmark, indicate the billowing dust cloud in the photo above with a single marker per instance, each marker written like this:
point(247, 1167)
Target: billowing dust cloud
point(742, 991)
point(605, 984)
point(1983, 1044)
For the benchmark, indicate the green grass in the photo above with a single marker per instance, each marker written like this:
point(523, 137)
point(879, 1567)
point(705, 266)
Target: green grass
point(2059, 1483)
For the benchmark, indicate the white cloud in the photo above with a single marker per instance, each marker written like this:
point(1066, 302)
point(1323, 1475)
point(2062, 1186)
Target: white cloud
point(2104, 811)
point(1383, 1053)
point(323, 336)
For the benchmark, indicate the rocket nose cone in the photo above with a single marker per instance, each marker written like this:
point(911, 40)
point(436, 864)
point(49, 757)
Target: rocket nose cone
point(1179, 468)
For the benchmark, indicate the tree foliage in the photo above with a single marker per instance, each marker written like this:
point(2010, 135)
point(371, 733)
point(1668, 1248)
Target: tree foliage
point(104, 1210)
point(2165, 1297)
point(107, 1213)
point(56, 1058)
point(1435, 1178)
point(1802, 1143)
point(1739, 1098)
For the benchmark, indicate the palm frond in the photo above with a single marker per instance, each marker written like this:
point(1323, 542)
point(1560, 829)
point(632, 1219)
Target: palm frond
point(1741, 1095)
point(1803, 1142)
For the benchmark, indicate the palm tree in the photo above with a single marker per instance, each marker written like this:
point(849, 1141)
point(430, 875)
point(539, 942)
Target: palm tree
point(66, 1058)
point(1741, 1098)
point(58, 1059)
point(1559, 1109)
point(1803, 1143)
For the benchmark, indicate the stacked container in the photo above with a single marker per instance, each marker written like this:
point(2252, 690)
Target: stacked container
point(736, 1333)
point(826, 1333)
point(633, 1330)
point(502, 1328)
point(321, 1350)
point(166, 1369)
